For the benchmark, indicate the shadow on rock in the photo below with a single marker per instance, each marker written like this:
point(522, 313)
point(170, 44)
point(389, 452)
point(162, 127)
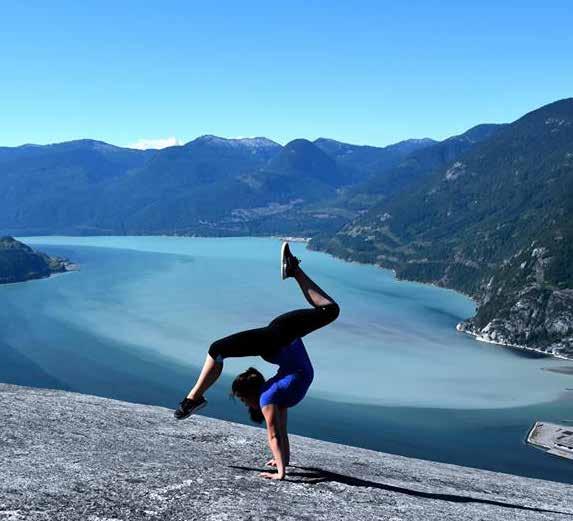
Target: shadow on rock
point(313, 476)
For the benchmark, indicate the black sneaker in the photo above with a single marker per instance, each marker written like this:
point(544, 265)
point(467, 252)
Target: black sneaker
point(289, 263)
point(188, 407)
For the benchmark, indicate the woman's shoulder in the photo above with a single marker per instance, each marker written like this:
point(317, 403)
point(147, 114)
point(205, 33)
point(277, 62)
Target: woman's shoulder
point(273, 389)
point(269, 393)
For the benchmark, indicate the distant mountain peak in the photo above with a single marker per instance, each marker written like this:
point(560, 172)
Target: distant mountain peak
point(326, 140)
point(342, 144)
point(76, 145)
point(93, 143)
point(258, 142)
point(300, 142)
point(251, 142)
point(302, 157)
point(418, 141)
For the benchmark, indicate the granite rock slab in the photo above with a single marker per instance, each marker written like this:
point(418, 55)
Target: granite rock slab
point(67, 456)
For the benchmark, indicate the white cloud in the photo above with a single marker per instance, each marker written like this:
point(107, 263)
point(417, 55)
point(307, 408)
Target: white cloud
point(162, 142)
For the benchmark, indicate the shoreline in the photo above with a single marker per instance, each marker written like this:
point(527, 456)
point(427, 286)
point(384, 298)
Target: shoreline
point(305, 240)
point(480, 338)
point(73, 267)
point(393, 271)
point(477, 336)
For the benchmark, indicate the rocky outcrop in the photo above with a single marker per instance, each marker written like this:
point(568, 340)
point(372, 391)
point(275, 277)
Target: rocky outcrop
point(520, 307)
point(67, 456)
point(536, 319)
point(19, 262)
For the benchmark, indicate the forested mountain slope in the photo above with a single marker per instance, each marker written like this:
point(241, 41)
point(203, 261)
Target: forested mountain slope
point(496, 223)
point(364, 161)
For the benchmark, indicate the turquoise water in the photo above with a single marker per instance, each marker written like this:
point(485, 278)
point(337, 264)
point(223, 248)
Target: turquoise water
point(392, 373)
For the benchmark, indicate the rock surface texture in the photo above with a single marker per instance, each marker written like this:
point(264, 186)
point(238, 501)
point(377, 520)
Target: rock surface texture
point(69, 456)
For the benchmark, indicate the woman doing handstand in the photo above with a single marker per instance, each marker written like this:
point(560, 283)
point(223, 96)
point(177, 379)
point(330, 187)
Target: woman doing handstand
point(279, 343)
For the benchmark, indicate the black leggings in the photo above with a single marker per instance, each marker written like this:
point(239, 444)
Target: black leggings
point(266, 341)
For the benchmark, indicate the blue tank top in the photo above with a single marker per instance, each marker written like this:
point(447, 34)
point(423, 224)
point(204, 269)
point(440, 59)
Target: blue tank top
point(294, 376)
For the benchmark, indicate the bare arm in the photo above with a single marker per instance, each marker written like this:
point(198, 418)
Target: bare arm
point(284, 435)
point(275, 439)
point(284, 439)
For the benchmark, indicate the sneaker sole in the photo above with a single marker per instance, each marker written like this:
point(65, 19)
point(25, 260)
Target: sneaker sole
point(198, 408)
point(283, 266)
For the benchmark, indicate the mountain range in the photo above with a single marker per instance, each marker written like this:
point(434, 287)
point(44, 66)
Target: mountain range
point(209, 186)
point(488, 212)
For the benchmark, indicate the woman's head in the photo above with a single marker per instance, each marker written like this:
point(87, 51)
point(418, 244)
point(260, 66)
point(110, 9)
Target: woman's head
point(247, 387)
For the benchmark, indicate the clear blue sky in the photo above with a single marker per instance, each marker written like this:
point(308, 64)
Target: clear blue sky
point(368, 72)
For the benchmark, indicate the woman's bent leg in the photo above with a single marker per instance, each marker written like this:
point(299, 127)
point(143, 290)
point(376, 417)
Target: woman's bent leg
point(208, 376)
point(253, 342)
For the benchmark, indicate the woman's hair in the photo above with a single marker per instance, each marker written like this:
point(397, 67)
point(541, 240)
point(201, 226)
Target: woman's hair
point(248, 385)
point(256, 415)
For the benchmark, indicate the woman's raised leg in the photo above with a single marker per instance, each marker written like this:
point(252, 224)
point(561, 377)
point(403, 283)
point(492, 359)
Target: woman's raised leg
point(301, 322)
point(313, 293)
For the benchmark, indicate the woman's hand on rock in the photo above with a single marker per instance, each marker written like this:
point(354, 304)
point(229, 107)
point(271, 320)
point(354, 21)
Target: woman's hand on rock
point(271, 475)
point(271, 463)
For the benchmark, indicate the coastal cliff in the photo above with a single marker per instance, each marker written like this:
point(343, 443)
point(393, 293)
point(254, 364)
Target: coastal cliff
point(19, 262)
point(70, 456)
point(518, 308)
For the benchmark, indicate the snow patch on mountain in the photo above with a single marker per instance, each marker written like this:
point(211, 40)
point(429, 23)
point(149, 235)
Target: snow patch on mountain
point(251, 142)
